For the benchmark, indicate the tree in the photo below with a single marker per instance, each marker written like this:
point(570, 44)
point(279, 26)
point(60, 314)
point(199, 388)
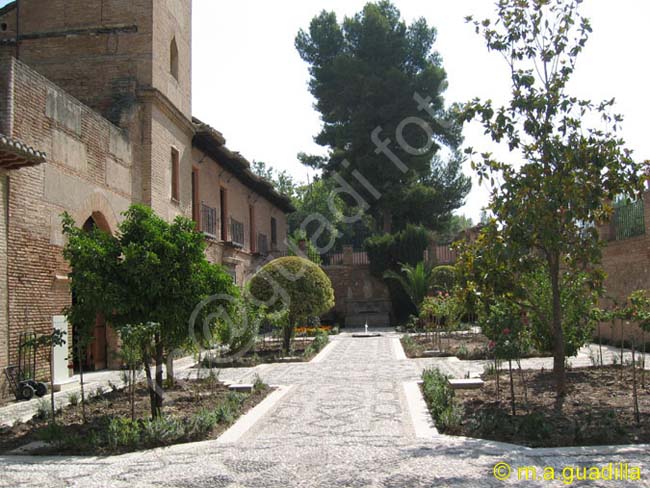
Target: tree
point(550, 206)
point(152, 275)
point(415, 281)
point(294, 284)
point(376, 79)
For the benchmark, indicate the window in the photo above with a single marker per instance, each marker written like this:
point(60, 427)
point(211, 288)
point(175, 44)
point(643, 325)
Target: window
point(196, 212)
point(274, 233)
point(173, 59)
point(209, 220)
point(223, 203)
point(4, 26)
point(237, 232)
point(251, 228)
point(176, 175)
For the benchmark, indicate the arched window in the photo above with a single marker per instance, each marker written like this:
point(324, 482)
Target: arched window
point(173, 59)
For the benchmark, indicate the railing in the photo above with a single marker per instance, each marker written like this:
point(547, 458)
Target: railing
point(262, 244)
point(628, 220)
point(443, 255)
point(332, 258)
point(236, 232)
point(209, 222)
point(360, 258)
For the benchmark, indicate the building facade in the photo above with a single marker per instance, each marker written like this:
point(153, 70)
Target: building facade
point(95, 115)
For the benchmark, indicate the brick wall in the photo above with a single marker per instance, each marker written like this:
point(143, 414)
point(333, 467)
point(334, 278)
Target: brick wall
point(86, 174)
point(356, 291)
point(4, 290)
point(627, 264)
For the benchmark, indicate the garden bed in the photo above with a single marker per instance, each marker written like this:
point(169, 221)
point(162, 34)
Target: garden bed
point(463, 345)
point(270, 351)
point(193, 410)
point(598, 410)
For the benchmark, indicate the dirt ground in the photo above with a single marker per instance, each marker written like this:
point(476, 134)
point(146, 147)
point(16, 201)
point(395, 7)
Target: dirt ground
point(184, 399)
point(598, 409)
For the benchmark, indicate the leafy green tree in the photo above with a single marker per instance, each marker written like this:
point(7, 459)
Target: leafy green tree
point(415, 281)
point(153, 275)
point(376, 80)
point(294, 284)
point(550, 205)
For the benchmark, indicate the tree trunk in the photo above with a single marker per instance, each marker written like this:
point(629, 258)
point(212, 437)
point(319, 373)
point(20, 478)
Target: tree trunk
point(512, 389)
point(558, 334)
point(51, 383)
point(286, 338)
point(150, 385)
point(170, 368)
point(635, 394)
point(387, 216)
point(81, 381)
point(160, 361)
point(132, 374)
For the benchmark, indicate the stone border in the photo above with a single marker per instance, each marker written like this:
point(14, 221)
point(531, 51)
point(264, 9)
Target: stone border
point(424, 428)
point(245, 422)
point(421, 420)
point(326, 351)
point(398, 350)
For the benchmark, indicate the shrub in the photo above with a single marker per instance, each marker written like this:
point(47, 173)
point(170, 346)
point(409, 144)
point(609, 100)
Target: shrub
point(73, 398)
point(294, 284)
point(443, 278)
point(440, 398)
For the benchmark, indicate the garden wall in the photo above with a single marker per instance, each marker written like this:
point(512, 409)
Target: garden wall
point(359, 295)
point(626, 260)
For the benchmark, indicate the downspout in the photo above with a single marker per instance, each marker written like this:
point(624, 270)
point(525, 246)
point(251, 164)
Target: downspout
point(17, 29)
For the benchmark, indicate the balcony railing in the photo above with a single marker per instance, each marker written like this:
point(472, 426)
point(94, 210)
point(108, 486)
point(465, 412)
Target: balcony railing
point(209, 223)
point(628, 220)
point(236, 232)
point(262, 244)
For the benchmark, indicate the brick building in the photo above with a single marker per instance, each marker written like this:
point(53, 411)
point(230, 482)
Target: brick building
point(95, 114)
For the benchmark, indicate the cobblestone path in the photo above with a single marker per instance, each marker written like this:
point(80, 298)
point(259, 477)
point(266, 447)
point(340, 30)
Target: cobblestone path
point(344, 422)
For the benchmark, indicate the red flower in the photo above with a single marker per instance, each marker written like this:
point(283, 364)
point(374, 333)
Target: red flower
point(506, 331)
point(491, 345)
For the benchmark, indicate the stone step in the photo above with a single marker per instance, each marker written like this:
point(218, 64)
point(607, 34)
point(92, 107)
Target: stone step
point(466, 384)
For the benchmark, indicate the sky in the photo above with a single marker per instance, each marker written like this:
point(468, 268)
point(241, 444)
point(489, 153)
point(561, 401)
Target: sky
point(250, 83)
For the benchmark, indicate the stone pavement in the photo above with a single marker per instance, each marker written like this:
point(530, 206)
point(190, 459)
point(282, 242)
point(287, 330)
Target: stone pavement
point(345, 421)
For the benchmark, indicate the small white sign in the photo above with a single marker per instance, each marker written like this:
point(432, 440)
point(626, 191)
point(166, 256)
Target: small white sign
point(60, 354)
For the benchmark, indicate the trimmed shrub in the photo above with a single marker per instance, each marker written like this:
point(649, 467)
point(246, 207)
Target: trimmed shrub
point(443, 278)
point(294, 284)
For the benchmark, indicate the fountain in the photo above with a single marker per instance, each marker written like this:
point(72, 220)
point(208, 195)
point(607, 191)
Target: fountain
point(366, 333)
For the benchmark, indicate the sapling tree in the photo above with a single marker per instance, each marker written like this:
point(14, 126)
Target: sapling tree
point(573, 161)
point(48, 342)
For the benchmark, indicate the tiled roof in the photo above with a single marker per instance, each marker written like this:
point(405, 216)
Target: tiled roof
point(212, 142)
point(15, 154)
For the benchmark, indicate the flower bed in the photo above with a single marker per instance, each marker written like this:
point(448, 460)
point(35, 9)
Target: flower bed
point(194, 410)
point(598, 409)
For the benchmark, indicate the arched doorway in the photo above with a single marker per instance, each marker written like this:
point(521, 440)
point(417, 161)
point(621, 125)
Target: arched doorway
point(96, 354)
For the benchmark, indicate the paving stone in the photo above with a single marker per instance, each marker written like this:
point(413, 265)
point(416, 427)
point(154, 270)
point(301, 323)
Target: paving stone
point(345, 422)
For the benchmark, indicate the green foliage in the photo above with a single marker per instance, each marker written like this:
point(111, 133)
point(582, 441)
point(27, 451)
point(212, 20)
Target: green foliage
point(415, 281)
point(577, 299)
point(239, 330)
point(364, 74)
point(153, 273)
point(441, 310)
point(293, 284)
point(443, 278)
point(310, 251)
point(440, 399)
point(507, 330)
point(547, 209)
point(390, 252)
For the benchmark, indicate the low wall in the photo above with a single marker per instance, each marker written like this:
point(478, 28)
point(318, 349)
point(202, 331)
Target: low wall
point(359, 295)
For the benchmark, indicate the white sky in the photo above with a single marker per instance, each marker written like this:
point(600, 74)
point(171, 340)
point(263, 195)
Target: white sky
point(250, 83)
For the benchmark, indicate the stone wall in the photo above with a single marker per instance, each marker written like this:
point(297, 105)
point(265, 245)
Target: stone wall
point(359, 295)
point(627, 264)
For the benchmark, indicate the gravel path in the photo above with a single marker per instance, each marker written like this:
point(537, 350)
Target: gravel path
point(344, 422)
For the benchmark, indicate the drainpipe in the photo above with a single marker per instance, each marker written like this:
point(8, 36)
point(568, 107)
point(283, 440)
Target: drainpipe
point(17, 29)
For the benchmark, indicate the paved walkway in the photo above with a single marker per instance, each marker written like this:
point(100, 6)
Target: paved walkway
point(345, 420)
